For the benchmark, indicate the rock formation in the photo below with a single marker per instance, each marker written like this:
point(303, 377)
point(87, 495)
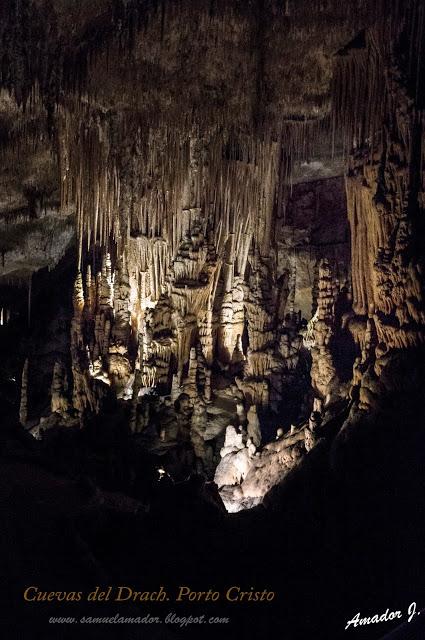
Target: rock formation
point(228, 286)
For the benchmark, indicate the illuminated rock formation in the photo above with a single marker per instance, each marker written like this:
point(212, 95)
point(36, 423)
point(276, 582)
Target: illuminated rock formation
point(214, 296)
point(244, 476)
point(323, 374)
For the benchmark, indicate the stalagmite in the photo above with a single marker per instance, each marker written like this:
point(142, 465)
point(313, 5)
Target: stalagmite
point(254, 432)
point(59, 400)
point(323, 373)
point(90, 294)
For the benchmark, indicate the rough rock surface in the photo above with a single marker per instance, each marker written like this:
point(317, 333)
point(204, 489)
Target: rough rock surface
point(215, 283)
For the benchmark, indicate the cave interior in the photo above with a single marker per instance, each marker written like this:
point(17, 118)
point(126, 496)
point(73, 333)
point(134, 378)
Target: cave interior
point(212, 304)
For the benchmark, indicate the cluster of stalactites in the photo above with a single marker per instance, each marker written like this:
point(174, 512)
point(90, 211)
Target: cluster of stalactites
point(378, 98)
point(387, 280)
point(385, 201)
point(379, 103)
point(185, 211)
point(166, 183)
point(364, 103)
point(37, 46)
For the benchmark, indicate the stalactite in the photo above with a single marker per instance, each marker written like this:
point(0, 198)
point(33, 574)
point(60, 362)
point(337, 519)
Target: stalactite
point(90, 296)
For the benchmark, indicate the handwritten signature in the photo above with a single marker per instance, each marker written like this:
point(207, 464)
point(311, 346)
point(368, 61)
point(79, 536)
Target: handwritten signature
point(387, 616)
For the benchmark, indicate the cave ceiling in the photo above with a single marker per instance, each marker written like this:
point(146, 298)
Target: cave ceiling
point(252, 70)
point(265, 61)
